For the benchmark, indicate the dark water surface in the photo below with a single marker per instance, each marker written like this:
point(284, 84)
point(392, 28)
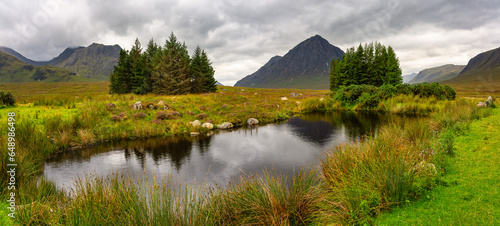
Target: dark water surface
point(221, 157)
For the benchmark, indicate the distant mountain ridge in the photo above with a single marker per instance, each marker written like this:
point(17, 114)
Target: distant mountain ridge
point(305, 66)
point(95, 62)
point(437, 74)
point(13, 70)
point(408, 78)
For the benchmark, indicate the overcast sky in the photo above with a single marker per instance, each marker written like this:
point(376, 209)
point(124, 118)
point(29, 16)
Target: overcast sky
point(240, 35)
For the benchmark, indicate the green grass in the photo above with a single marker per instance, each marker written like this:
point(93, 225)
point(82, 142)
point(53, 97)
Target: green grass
point(470, 193)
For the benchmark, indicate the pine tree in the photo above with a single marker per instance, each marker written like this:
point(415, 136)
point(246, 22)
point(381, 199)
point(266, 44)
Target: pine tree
point(208, 73)
point(148, 55)
point(137, 67)
point(197, 76)
point(373, 64)
point(393, 71)
point(170, 74)
point(120, 79)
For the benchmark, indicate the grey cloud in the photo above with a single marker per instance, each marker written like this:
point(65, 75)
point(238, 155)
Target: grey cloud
point(240, 35)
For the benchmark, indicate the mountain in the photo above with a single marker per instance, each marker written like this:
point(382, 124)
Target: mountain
point(95, 62)
point(20, 56)
point(218, 84)
point(13, 70)
point(306, 66)
point(483, 68)
point(437, 74)
point(408, 78)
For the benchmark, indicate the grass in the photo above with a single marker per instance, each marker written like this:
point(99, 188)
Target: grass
point(356, 181)
point(470, 193)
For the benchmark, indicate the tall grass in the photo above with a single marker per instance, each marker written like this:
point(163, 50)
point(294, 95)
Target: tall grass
point(400, 164)
point(267, 200)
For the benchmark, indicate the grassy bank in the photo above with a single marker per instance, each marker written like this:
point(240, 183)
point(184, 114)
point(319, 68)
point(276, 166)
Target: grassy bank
point(355, 183)
point(469, 194)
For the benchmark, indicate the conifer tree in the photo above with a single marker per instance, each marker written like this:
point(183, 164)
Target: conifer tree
point(170, 74)
point(208, 72)
point(197, 76)
point(120, 79)
point(373, 64)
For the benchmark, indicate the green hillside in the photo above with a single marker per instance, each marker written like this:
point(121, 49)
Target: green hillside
point(437, 74)
point(13, 70)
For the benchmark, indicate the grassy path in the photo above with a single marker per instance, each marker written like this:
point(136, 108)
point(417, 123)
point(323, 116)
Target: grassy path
point(473, 194)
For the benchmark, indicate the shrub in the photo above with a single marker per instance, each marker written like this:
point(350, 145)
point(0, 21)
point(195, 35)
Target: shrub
point(7, 99)
point(387, 91)
point(367, 100)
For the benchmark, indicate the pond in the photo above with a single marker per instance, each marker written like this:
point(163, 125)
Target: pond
point(220, 157)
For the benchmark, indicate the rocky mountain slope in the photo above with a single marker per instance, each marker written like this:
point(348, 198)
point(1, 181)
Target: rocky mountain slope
point(306, 66)
point(483, 68)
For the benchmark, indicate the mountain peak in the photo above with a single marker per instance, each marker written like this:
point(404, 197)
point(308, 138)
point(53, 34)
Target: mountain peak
point(306, 65)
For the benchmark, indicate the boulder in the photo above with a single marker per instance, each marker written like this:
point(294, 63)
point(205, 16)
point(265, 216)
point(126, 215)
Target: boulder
point(207, 125)
point(195, 123)
point(160, 103)
point(195, 133)
point(481, 104)
point(201, 116)
point(252, 121)
point(283, 98)
point(294, 94)
point(110, 106)
point(225, 125)
point(137, 105)
point(489, 101)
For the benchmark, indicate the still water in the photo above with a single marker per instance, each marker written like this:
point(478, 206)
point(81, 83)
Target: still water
point(221, 157)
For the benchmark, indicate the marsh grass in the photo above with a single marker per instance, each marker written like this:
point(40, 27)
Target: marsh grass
point(401, 164)
point(267, 200)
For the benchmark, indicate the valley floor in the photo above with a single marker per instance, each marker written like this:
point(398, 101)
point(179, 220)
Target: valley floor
point(470, 194)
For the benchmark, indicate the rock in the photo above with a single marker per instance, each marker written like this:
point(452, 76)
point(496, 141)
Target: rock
point(165, 107)
point(489, 101)
point(322, 99)
point(195, 123)
point(195, 133)
point(225, 125)
point(294, 94)
point(162, 115)
point(140, 115)
point(137, 105)
point(160, 103)
point(151, 107)
point(201, 116)
point(207, 125)
point(252, 121)
point(110, 106)
point(284, 98)
point(481, 104)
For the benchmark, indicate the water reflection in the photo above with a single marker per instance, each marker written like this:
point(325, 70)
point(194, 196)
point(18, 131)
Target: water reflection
point(220, 157)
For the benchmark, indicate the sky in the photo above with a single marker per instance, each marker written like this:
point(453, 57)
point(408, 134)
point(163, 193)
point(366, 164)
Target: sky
point(240, 36)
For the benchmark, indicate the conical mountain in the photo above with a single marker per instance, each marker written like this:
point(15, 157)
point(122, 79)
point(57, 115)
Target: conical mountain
point(306, 66)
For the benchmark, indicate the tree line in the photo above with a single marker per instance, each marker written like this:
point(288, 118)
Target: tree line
point(371, 64)
point(162, 70)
